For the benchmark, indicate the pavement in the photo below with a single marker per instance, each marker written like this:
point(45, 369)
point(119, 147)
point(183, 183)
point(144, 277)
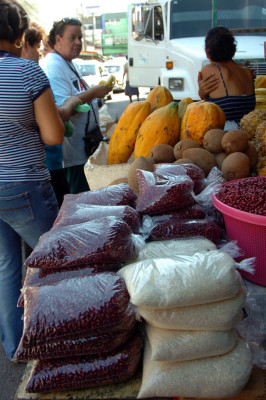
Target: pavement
point(10, 376)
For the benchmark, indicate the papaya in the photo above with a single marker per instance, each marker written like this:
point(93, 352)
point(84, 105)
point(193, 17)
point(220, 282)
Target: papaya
point(161, 126)
point(123, 139)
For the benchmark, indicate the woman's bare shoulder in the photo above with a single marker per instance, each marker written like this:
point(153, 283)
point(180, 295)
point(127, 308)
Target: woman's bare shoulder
point(208, 69)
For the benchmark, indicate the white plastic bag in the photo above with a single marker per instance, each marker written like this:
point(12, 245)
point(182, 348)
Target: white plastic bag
point(173, 345)
point(221, 315)
point(213, 182)
point(211, 377)
point(173, 247)
point(181, 281)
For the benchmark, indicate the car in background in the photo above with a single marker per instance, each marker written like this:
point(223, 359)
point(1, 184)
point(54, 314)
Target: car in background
point(92, 72)
point(115, 67)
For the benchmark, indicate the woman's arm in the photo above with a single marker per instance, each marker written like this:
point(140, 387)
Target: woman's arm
point(67, 109)
point(47, 117)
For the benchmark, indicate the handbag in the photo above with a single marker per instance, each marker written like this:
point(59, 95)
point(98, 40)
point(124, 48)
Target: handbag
point(93, 137)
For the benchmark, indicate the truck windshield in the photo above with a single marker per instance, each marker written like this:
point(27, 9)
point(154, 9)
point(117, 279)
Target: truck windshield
point(193, 18)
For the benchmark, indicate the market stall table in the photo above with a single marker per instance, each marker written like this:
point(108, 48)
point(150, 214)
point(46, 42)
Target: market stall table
point(255, 390)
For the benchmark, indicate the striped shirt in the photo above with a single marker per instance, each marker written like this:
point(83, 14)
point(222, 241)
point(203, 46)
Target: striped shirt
point(22, 152)
point(235, 107)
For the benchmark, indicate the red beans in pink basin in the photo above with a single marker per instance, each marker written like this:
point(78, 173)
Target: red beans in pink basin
point(248, 195)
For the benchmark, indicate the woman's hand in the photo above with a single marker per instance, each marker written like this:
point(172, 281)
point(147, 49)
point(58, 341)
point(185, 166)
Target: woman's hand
point(96, 92)
point(207, 85)
point(101, 91)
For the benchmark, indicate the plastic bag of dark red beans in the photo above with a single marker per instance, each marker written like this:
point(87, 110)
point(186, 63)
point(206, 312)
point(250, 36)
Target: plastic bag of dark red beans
point(87, 371)
point(94, 344)
point(35, 276)
point(115, 195)
point(107, 241)
point(172, 227)
point(193, 171)
point(76, 308)
point(159, 194)
point(76, 213)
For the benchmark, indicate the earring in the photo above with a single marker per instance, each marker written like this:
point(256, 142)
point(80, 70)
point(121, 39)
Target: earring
point(18, 44)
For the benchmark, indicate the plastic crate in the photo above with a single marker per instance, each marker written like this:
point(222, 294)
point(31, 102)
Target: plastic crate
point(250, 232)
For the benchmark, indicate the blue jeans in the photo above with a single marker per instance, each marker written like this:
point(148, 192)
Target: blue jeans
point(27, 210)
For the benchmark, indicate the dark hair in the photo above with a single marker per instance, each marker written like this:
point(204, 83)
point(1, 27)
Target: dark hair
point(34, 34)
point(13, 20)
point(59, 28)
point(220, 44)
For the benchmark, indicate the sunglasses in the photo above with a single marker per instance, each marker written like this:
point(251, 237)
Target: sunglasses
point(73, 21)
point(68, 21)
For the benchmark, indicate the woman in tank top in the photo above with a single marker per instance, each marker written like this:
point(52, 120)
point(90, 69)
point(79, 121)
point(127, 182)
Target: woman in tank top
point(225, 82)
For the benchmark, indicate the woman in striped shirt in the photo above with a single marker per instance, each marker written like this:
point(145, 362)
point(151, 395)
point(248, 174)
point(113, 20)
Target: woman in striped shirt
point(223, 81)
point(28, 120)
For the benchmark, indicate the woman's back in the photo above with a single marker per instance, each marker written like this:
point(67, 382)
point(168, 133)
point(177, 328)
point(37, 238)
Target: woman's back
point(234, 79)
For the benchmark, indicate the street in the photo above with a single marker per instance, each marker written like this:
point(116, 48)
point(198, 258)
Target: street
point(10, 373)
point(119, 102)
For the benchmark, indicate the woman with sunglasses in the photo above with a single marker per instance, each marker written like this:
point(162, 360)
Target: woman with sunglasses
point(28, 206)
point(65, 80)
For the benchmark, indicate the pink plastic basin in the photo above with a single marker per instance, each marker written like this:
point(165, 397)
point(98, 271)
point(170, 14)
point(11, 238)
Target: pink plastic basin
point(250, 232)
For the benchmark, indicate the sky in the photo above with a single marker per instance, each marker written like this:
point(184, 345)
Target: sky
point(52, 10)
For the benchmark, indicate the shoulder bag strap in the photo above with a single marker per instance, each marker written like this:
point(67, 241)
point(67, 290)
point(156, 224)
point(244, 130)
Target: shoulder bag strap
point(84, 84)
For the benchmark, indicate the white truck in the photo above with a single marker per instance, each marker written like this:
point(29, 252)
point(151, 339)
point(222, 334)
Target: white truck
point(166, 40)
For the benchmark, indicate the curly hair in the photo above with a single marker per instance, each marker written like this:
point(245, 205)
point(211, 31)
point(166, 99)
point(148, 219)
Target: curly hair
point(13, 20)
point(220, 44)
point(59, 28)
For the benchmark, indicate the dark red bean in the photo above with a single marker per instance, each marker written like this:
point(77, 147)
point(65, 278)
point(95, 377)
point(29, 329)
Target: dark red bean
point(158, 195)
point(107, 241)
point(75, 308)
point(87, 371)
point(115, 195)
point(36, 276)
point(76, 213)
point(196, 211)
point(170, 226)
point(95, 344)
point(193, 171)
point(248, 194)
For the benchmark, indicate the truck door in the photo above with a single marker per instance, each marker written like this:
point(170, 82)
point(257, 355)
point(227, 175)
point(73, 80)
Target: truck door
point(146, 44)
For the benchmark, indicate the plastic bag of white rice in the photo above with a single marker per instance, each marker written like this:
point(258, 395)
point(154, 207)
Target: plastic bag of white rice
point(172, 345)
point(182, 280)
point(221, 376)
point(175, 247)
point(221, 315)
